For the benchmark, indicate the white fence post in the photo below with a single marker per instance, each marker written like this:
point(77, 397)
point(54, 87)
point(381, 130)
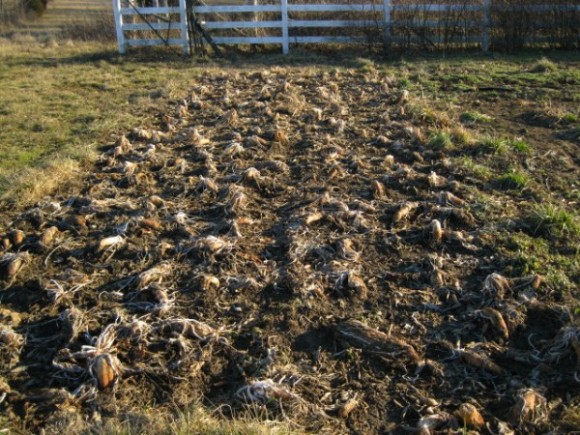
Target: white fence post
point(183, 26)
point(119, 25)
point(285, 39)
point(387, 23)
point(486, 25)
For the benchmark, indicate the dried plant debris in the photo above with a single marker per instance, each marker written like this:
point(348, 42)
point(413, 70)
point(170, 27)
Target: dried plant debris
point(357, 334)
point(282, 241)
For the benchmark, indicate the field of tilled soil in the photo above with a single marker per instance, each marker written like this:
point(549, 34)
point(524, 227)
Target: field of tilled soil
point(283, 244)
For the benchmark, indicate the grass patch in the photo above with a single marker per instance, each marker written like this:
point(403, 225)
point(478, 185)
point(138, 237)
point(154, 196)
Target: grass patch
point(461, 136)
point(535, 255)
point(421, 111)
point(544, 65)
point(520, 145)
point(64, 102)
point(570, 118)
point(473, 117)
point(553, 219)
point(195, 421)
point(494, 145)
point(480, 171)
point(440, 140)
point(513, 180)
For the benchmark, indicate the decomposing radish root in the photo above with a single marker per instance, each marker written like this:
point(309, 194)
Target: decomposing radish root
point(437, 278)
point(347, 251)
point(430, 424)
point(357, 334)
point(110, 243)
point(181, 111)
point(47, 237)
point(208, 282)
point(142, 134)
point(164, 301)
point(206, 184)
point(458, 236)
point(458, 214)
point(233, 149)
point(57, 291)
point(280, 136)
point(157, 201)
point(530, 407)
point(566, 342)
point(251, 175)
point(420, 397)
point(534, 281)
point(352, 282)
point(151, 224)
point(496, 285)
point(6, 244)
point(448, 198)
point(278, 166)
point(10, 338)
point(211, 245)
point(470, 416)
point(190, 328)
point(123, 143)
point(254, 141)
point(479, 360)
point(70, 322)
point(314, 217)
point(436, 231)
point(12, 264)
point(102, 363)
point(230, 118)
point(237, 201)
point(357, 284)
point(377, 189)
point(496, 319)
point(436, 180)
point(153, 275)
point(17, 237)
point(198, 139)
point(347, 407)
point(117, 152)
point(262, 391)
point(105, 369)
point(404, 211)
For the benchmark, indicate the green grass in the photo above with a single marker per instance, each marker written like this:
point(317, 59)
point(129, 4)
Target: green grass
point(520, 145)
point(552, 218)
point(513, 180)
point(197, 420)
point(493, 144)
point(531, 254)
point(544, 65)
point(440, 140)
point(473, 117)
point(64, 103)
point(481, 171)
point(461, 136)
point(570, 118)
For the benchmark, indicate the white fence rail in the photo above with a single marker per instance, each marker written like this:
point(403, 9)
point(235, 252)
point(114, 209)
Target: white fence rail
point(214, 18)
point(156, 19)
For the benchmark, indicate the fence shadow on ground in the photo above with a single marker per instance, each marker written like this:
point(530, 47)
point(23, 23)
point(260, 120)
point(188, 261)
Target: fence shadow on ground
point(338, 57)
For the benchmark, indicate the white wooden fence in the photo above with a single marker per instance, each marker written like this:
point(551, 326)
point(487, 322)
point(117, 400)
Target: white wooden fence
point(151, 21)
point(480, 28)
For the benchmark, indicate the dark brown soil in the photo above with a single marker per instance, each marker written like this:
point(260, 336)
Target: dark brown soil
point(290, 216)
